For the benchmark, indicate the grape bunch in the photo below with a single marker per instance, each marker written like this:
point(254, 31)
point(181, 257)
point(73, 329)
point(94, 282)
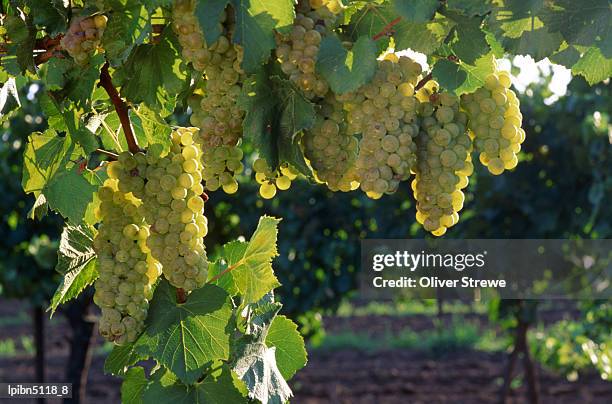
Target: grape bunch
point(83, 37)
point(174, 207)
point(127, 270)
point(384, 112)
point(444, 162)
point(219, 116)
point(190, 36)
point(270, 180)
point(495, 121)
point(330, 150)
point(298, 51)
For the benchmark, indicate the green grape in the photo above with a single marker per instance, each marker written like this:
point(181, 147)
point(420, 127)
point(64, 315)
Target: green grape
point(330, 150)
point(179, 225)
point(495, 123)
point(83, 37)
point(384, 113)
point(272, 179)
point(444, 162)
point(120, 244)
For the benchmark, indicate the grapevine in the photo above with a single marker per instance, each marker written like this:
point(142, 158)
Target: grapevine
point(323, 88)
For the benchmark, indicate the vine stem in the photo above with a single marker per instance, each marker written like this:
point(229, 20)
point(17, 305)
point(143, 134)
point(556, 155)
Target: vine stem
point(386, 29)
point(181, 297)
point(121, 107)
point(109, 154)
point(423, 81)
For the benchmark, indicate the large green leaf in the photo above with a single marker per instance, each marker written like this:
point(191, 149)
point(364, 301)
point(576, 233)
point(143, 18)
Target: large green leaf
point(186, 337)
point(219, 387)
point(127, 27)
point(69, 193)
point(369, 19)
point(256, 22)
point(422, 37)
point(153, 74)
point(471, 42)
point(133, 386)
point(290, 352)
point(22, 34)
point(347, 70)
point(594, 66)
point(538, 43)
point(251, 267)
point(76, 261)
point(416, 11)
point(50, 14)
point(462, 78)
point(151, 127)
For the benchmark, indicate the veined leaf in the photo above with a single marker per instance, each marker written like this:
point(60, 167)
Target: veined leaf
point(594, 66)
point(290, 352)
point(133, 386)
point(76, 261)
point(186, 337)
point(462, 78)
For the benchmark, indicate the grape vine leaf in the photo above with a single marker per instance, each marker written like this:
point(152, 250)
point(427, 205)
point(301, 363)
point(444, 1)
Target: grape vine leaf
point(186, 337)
point(347, 70)
point(471, 40)
point(121, 358)
point(297, 114)
point(462, 78)
point(256, 367)
point(416, 11)
point(219, 387)
point(369, 19)
point(208, 13)
point(54, 73)
point(538, 43)
point(585, 22)
point(22, 34)
point(50, 14)
point(216, 275)
point(76, 261)
point(594, 66)
point(69, 193)
point(566, 57)
point(290, 352)
point(255, 25)
point(150, 127)
point(422, 37)
point(258, 100)
point(153, 73)
point(126, 28)
point(251, 267)
point(469, 8)
point(133, 386)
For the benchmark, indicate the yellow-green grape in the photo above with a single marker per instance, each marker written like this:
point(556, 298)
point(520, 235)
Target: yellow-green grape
point(495, 120)
point(444, 162)
point(127, 271)
point(384, 112)
point(190, 36)
point(330, 150)
point(175, 209)
point(270, 180)
point(83, 37)
point(221, 166)
point(299, 50)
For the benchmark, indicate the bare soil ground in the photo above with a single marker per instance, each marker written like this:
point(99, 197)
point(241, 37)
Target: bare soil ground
point(344, 376)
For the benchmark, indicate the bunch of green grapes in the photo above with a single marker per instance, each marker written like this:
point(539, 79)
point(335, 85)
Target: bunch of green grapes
point(444, 162)
point(190, 36)
point(384, 112)
point(173, 205)
point(83, 37)
point(219, 116)
point(127, 271)
point(330, 150)
point(495, 121)
point(298, 51)
point(270, 179)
